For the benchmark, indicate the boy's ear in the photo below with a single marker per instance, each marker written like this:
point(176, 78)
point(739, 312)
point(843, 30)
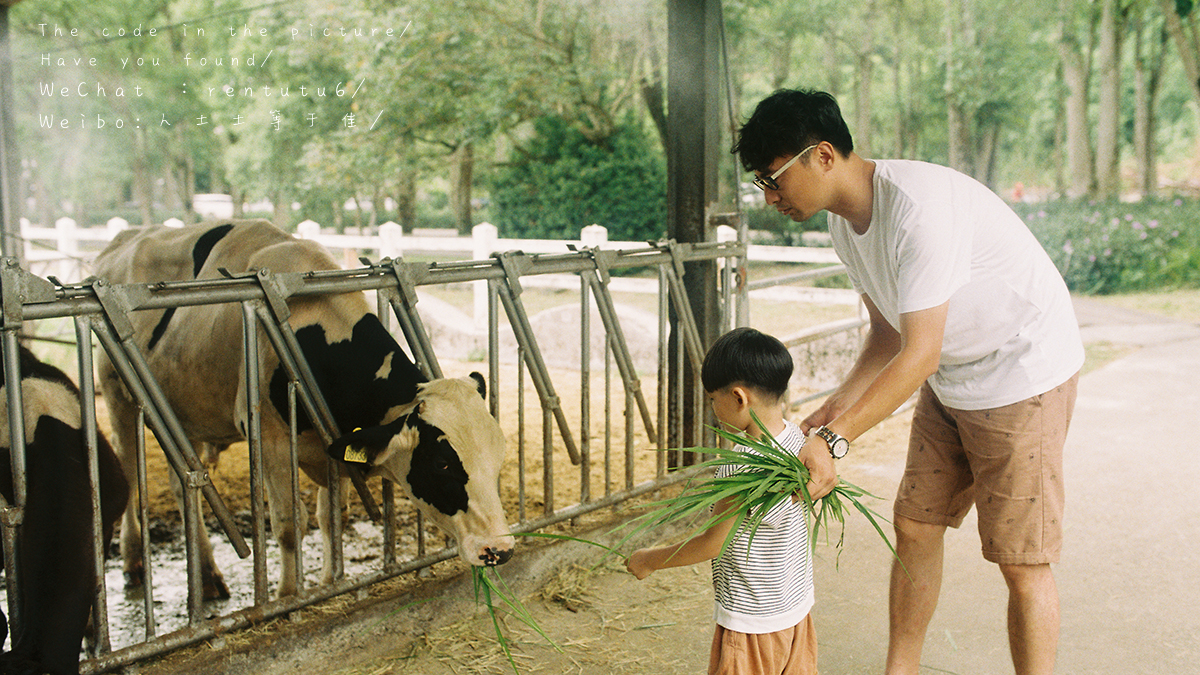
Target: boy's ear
point(741, 396)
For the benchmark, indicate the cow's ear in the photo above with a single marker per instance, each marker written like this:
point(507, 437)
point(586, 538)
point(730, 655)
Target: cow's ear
point(361, 446)
point(480, 384)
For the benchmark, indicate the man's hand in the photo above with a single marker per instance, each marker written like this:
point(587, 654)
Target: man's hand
point(820, 417)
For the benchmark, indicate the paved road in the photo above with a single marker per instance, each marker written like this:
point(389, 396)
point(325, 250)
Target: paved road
point(1129, 579)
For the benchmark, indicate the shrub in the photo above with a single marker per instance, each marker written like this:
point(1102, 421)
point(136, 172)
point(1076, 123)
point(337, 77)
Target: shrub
point(565, 183)
point(1111, 247)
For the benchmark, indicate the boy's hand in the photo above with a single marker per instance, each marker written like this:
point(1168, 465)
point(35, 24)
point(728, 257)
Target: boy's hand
point(637, 564)
point(822, 474)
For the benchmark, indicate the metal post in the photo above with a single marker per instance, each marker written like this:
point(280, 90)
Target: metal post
point(250, 359)
point(87, 414)
point(12, 514)
point(692, 99)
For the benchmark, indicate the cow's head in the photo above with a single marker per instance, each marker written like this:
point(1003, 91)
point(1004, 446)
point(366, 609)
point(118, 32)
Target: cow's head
point(445, 449)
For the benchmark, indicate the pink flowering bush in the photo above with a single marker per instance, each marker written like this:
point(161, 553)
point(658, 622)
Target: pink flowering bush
point(1111, 247)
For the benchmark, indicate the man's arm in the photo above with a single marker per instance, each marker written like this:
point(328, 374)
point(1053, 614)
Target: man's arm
point(891, 367)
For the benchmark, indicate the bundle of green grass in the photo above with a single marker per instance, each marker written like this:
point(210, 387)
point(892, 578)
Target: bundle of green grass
point(768, 474)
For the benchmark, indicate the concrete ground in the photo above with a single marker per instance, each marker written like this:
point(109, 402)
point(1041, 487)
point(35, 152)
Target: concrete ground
point(1129, 579)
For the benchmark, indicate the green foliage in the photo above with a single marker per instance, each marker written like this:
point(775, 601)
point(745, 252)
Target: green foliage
point(1111, 247)
point(783, 230)
point(563, 182)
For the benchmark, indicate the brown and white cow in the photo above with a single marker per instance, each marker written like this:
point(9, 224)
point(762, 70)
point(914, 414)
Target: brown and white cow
point(54, 545)
point(368, 381)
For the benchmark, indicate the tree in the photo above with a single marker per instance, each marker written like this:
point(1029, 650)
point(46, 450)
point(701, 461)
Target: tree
point(1075, 57)
point(1108, 117)
point(1149, 48)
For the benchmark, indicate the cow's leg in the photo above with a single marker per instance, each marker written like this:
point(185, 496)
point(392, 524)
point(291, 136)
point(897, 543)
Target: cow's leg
point(122, 414)
point(212, 581)
point(285, 514)
point(325, 521)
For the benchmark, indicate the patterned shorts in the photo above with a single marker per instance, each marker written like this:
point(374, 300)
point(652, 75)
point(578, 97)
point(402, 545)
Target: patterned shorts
point(1005, 461)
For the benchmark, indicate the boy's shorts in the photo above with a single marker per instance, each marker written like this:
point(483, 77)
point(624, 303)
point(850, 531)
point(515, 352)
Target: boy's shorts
point(1006, 461)
point(791, 651)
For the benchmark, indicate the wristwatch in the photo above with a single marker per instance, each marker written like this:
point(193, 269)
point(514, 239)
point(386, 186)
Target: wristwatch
point(838, 445)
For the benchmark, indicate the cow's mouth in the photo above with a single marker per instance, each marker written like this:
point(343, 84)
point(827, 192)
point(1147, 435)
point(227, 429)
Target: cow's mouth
point(492, 557)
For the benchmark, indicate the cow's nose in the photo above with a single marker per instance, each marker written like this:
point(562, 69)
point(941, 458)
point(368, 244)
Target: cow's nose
point(492, 557)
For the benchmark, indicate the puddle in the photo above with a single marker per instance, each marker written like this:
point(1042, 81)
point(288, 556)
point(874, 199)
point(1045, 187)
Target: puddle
point(363, 553)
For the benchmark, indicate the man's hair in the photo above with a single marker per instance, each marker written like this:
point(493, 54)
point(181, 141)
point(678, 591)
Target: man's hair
point(748, 357)
point(787, 122)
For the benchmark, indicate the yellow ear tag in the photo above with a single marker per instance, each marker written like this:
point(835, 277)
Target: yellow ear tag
point(355, 455)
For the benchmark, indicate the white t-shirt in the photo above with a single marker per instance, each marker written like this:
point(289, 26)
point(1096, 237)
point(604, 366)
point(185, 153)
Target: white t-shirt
point(937, 235)
point(766, 585)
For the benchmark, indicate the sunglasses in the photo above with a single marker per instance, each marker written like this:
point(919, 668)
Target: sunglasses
point(765, 183)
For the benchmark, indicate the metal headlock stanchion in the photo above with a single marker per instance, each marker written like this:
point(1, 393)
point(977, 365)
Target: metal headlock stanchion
point(273, 315)
point(598, 279)
point(116, 336)
point(513, 264)
point(687, 320)
point(403, 300)
point(16, 287)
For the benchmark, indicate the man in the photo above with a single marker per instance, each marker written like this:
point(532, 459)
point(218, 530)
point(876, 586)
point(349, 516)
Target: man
point(966, 307)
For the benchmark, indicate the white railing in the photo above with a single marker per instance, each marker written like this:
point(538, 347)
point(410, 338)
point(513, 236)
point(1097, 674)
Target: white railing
point(65, 252)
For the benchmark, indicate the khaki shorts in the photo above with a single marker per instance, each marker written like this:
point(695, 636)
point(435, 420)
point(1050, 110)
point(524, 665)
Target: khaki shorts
point(792, 651)
point(1006, 461)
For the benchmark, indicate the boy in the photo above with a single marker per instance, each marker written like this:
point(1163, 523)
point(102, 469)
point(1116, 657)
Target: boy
point(764, 594)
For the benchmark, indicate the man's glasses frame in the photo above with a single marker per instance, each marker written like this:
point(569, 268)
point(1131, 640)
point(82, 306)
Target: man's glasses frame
point(765, 183)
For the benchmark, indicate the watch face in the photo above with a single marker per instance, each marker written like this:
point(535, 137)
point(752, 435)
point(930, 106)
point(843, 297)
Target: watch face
point(840, 448)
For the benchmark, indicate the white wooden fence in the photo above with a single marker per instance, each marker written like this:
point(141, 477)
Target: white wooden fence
point(65, 252)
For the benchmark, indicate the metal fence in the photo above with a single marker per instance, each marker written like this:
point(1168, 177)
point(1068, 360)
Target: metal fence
point(100, 310)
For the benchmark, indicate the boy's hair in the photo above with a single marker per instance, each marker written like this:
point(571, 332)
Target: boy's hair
point(748, 357)
point(787, 122)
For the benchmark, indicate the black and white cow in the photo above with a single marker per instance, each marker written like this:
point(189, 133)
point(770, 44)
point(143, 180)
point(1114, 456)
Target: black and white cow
point(54, 545)
point(369, 382)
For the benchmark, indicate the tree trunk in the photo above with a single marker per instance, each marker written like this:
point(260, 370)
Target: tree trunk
point(141, 180)
point(862, 104)
point(1076, 67)
point(864, 68)
point(239, 201)
point(460, 186)
point(832, 66)
point(985, 153)
point(652, 87)
point(1108, 118)
point(406, 201)
point(781, 61)
point(958, 131)
point(1187, 42)
point(1184, 33)
point(1147, 75)
point(282, 206)
point(1060, 135)
point(899, 53)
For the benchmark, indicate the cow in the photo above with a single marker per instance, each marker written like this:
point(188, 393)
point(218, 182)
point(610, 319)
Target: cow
point(54, 546)
point(195, 353)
